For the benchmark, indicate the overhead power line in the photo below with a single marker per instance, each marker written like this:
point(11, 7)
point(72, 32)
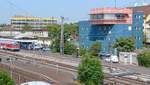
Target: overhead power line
point(17, 7)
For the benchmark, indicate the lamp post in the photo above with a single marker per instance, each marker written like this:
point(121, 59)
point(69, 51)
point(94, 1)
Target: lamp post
point(62, 36)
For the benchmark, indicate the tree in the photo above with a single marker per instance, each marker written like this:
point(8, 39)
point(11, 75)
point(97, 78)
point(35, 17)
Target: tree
point(55, 45)
point(69, 48)
point(54, 31)
point(90, 71)
point(5, 78)
point(95, 48)
point(82, 51)
point(54, 34)
point(26, 27)
point(144, 59)
point(145, 41)
point(125, 44)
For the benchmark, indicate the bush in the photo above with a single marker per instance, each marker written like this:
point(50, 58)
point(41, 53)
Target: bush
point(144, 59)
point(69, 48)
point(5, 78)
point(82, 51)
point(95, 48)
point(56, 46)
point(90, 71)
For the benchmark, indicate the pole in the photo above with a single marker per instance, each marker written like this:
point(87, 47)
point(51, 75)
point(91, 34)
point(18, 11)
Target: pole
point(110, 52)
point(115, 4)
point(11, 63)
point(62, 36)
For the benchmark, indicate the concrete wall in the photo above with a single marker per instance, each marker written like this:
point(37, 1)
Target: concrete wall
point(128, 58)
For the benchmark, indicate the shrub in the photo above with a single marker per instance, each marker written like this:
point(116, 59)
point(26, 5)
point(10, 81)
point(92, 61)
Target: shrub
point(144, 59)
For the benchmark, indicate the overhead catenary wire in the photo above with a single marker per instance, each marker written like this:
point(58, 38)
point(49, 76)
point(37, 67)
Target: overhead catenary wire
point(25, 12)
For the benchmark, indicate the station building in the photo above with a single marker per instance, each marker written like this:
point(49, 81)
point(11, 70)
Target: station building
point(108, 24)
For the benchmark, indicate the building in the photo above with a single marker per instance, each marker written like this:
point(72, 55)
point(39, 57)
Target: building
point(145, 10)
point(18, 22)
point(10, 32)
point(108, 24)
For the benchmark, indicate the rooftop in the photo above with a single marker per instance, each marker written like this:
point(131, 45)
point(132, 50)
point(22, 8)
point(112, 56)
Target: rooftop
point(145, 9)
point(31, 18)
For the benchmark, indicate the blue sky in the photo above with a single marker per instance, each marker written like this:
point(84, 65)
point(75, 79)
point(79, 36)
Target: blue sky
point(73, 10)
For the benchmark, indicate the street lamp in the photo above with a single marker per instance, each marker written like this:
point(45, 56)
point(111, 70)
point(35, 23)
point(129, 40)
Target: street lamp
point(62, 36)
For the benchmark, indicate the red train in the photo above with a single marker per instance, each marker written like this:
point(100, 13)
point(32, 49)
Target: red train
point(9, 44)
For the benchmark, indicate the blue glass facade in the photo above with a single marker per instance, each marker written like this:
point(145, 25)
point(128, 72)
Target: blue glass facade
point(108, 33)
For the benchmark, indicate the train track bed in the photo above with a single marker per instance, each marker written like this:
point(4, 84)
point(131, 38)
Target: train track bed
point(20, 75)
point(124, 80)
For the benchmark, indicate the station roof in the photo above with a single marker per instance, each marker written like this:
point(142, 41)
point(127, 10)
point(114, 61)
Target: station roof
point(36, 83)
point(31, 18)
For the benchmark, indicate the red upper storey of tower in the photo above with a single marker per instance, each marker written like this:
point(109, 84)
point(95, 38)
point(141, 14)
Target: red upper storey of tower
point(111, 10)
point(111, 16)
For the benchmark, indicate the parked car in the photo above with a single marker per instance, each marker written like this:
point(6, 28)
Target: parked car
point(46, 49)
point(37, 47)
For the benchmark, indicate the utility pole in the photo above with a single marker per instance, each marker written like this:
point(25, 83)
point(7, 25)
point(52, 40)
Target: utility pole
point(115, 3)
point(62, 36)
point(110, 53)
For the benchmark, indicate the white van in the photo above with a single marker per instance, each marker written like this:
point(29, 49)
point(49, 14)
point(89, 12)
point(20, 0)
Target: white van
point(112, 58)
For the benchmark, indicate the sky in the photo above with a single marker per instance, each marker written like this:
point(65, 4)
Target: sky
point(72, 10)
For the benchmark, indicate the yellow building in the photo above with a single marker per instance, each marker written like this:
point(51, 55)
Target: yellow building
point(147, 27)
point(35, 22)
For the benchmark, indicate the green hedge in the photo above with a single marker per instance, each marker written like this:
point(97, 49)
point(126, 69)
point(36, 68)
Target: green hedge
point(144, 59)
point(5, 78)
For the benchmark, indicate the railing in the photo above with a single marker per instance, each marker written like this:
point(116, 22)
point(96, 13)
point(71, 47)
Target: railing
point(108, 21)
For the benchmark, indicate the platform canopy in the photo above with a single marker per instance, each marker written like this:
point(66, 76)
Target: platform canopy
point(36, 83)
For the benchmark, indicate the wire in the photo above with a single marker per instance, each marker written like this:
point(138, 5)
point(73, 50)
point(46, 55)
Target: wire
point(17, 7)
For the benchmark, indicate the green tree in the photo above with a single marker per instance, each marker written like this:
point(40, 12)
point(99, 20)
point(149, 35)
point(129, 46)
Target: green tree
point(26, 27)
point(144, 59)
point(125, 44)
point(145, 41)
point(95, 48)
point(54, 31)
point(54, 34)
point(69, 48)
point(55, 45)
point(5, 78)
point(90, 71)
point(82, 51)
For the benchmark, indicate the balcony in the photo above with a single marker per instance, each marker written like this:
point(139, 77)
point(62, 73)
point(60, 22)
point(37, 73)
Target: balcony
point(108, 21)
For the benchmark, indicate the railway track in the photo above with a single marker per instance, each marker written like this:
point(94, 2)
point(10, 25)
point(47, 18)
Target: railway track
point(27, 75)
point(110, 80)
point(124, 81)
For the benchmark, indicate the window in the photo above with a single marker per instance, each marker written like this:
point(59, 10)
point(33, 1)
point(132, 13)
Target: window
point(139, 38)
point(109, 32)
point(139, 17)
point(129, 28)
